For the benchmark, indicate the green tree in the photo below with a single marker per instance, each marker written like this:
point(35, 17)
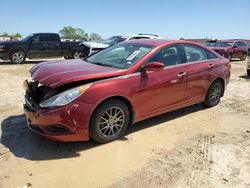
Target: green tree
point(70, 32)
point(18, 35)
point(95, 37)
point(5, 34)
point(80, 34)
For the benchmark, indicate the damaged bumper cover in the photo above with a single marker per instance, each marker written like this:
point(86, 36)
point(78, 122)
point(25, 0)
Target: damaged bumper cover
point(58, 124)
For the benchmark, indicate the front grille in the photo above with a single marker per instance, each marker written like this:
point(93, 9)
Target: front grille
point(37, 129)
point(57, 129)
point(34, 94)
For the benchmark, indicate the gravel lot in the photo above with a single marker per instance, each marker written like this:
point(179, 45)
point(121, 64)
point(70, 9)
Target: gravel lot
point(191, 147)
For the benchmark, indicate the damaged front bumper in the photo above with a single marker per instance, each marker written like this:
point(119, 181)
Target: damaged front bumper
point(64, 124)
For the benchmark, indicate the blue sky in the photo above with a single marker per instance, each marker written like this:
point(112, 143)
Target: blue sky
point(168, 18)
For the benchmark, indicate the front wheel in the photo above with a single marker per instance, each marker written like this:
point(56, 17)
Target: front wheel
point(109, 121)
point(17, 57)
point(229, 57)
point(214, 94)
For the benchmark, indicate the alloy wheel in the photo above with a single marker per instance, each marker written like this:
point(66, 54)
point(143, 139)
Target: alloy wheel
point(18, 57)
point(215, 93)
point(76, 55)
point(111, 122)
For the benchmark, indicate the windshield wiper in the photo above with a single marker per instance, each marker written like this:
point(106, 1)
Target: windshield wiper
point(102, 64)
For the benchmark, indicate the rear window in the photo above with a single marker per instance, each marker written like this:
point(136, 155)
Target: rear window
point(241, 44)
point(223, 44)
point(54, 38)
point(194, 53)
point(136, 38)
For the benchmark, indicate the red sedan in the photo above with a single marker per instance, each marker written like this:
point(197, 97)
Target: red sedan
point(99, 97)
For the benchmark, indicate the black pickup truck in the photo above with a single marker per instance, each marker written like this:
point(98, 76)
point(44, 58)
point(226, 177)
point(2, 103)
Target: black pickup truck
point(39, 45)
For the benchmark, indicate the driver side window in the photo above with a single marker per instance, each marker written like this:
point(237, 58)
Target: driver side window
point(169, 56)
point(36, 39)
point(40, 38)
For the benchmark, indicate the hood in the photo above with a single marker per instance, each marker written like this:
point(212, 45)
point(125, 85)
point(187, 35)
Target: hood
point(57, 73)
point(95, 44)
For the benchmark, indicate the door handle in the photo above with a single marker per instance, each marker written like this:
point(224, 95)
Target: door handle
point(210, 66)
point(181, 74)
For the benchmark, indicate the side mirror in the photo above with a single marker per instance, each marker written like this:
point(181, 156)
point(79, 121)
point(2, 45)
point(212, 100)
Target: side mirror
point(153, 66)
point(235, 46)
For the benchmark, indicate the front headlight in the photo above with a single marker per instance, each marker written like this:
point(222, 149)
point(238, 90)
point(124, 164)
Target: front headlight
point(2, 46)
point(65, 97)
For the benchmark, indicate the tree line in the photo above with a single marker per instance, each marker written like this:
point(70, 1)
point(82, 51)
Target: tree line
point(70, 32)
point(67, 32)
point(5, 34)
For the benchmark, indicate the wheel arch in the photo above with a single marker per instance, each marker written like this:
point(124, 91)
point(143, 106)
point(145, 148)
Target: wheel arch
point(123, 99)
point(16, 50)
point(222, 81)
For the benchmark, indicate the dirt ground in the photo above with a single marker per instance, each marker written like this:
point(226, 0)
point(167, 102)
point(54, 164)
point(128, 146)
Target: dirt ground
point(191, 147)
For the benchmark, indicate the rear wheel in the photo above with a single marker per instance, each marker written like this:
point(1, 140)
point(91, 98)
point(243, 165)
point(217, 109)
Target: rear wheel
point(248, 72)
point(76, 55)
point(243, 58)
point(214, 94)
point(17, 57)
point(109, 121)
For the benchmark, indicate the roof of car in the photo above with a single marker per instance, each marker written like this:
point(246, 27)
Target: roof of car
point(231, 40)
point(159, 42)
point(44, 34)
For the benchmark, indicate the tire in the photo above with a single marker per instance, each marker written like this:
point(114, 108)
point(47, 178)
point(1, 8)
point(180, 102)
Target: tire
point(76, 55)
point(17, 57)
point(105, 126)
point(229, 57)
point(214, 94)
point(243, 58)
point(66, 57)
point(248, 72)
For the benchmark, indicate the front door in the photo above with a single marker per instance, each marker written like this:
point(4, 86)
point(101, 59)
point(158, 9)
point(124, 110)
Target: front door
point(35, 47)
point(38, 46)
point(165, 89)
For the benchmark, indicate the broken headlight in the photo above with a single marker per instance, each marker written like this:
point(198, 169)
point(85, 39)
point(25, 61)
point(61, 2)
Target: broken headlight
point(65, 97)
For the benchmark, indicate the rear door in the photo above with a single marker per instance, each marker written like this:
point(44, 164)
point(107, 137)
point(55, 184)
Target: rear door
point(201, 68)
point(243, 48)
point(163, 90)
point(237, 50)
point(53, 48)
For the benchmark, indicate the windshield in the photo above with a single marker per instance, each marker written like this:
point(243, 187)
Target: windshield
point(210, 44)
point(114, 40)
point(122, 56)
point(223, 44)
point(27, 38)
